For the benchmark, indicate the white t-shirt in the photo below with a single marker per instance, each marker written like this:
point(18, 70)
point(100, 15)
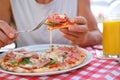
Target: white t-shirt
point(28, 13)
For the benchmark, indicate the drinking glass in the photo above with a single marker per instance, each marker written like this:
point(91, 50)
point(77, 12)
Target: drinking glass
point(111, 37)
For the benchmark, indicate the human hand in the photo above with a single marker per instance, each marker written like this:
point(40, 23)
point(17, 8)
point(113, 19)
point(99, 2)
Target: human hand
point(77, 32)
point(7, 34)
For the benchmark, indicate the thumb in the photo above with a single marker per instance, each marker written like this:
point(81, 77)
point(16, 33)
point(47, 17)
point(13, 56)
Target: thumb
point(79, 24)
point(80, 20)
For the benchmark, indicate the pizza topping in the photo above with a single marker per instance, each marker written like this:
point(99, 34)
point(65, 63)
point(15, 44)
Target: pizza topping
point(25, 61)
point(52, 61)
point(55, 65)
point(58, 59)
point(44, 61)
point(12, 63)
point(64, 54)
point(56, 21)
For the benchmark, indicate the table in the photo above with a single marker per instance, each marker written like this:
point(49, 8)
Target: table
point(97, 69)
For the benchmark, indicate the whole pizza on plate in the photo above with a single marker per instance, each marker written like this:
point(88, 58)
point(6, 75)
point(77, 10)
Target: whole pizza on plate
point(54, 59)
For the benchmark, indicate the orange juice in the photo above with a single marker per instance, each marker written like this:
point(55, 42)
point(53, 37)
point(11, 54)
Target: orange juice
point(111, 37)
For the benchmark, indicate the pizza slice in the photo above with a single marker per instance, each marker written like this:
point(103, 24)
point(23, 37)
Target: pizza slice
point(57, 21)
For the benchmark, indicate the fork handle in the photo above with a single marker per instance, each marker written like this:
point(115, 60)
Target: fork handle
point(23, 31)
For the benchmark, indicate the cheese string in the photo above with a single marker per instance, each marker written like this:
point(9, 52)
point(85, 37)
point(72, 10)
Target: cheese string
point(51, 45)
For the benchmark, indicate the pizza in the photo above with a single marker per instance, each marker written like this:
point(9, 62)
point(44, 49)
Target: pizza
point(57, 21)
point(54, 59)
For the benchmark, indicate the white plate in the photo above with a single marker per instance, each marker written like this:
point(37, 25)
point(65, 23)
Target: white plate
point(43, 48)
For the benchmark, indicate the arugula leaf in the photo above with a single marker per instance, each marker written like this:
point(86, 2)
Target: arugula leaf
point(25, 61)
point(64, 54)
point(52, 61)
point(13, 62)
point(51, 23)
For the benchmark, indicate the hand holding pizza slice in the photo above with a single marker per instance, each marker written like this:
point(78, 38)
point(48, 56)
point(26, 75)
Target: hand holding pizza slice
point(75, 30)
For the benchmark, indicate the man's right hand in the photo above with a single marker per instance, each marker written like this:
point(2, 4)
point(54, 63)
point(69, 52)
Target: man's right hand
point(7, 34)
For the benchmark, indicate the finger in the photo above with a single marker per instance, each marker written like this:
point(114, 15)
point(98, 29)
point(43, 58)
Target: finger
point(75, 34)
point(71, 38)
point(4, 39)
point(78, 28)
point(74, 40)
point(67, 32)
point(2, 44)
point(11, 33)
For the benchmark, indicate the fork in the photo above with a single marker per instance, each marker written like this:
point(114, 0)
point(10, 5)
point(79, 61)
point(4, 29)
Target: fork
point(30, 30)
point(34, 28)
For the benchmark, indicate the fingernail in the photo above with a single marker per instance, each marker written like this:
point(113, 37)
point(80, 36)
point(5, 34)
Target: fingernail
point(11, 35)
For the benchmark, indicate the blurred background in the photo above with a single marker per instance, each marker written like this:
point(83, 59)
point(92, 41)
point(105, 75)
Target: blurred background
point(100, 8)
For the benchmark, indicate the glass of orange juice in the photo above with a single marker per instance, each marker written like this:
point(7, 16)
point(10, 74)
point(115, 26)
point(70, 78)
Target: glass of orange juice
point(111, 37)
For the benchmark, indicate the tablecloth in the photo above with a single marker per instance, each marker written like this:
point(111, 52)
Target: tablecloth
point(97, 69)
